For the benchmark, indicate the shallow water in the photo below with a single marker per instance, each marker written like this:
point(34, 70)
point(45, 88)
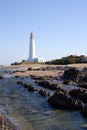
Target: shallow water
point(31, 111)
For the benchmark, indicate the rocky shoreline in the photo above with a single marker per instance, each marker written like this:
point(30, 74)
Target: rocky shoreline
point(73, 99)
point(47, 78)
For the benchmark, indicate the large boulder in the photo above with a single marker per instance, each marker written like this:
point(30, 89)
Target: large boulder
point(83, 78)
point(71, 74)
point(83, 82)
point(1, 77)
point(79, 94)
point(84, 72)
point(67, 82)
point(61, 100)
point(29, 69)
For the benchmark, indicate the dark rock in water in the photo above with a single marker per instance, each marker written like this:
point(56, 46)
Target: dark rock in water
point(31, 88)
point(84, 72)
point(83, 82)
point(16, 76)
point(83, 85)
point(61, 100)
point(44, 77)
point(37, 77)
point(29, 69)
point(47, 84)
point(44, 93)
point(62, 90)
point(71, 74)
point(79, 94)
point(83, 78)
point(19, 82)
point(25, 85)
point(1, 77)
point(68, 82)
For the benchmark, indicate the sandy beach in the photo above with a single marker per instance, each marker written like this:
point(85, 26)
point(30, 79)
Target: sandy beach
point(39, 72)
point(36, 70)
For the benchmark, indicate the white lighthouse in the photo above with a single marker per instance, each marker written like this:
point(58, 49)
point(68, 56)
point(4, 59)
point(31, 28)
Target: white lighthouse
point(32, 48)
point(32, 55)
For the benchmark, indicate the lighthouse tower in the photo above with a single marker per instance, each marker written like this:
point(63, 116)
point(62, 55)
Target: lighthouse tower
point(31, 48)
point(32, 56)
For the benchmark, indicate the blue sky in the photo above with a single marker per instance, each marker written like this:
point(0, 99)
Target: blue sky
point(60, 28)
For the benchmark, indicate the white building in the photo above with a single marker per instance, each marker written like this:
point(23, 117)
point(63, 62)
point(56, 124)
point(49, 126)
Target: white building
point(84, 59)
point(32, 55)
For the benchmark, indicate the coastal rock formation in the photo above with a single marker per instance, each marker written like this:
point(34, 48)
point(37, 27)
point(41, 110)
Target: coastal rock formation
point(19, 82)
point(37, 77)
point(71, 74)
point(75, 76)
point(44, 77)
point(62, 100)
point(29, 86)
point(83, 78)
point(1, 77)
point(68, 82)
point(29, 69)
point(44, 93)
point(16, 76)
point(32, 89)
point(47, 84)
point(79, 94)
point(83, 82)
point(84, 72)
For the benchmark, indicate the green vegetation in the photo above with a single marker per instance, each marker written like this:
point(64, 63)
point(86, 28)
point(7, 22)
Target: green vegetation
point(72, 59)
point(24, 62)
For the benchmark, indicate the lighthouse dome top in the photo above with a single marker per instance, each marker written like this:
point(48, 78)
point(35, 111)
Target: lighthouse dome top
point(31, 34)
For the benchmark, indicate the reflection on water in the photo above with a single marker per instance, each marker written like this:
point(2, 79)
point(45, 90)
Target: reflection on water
point(31, 111)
